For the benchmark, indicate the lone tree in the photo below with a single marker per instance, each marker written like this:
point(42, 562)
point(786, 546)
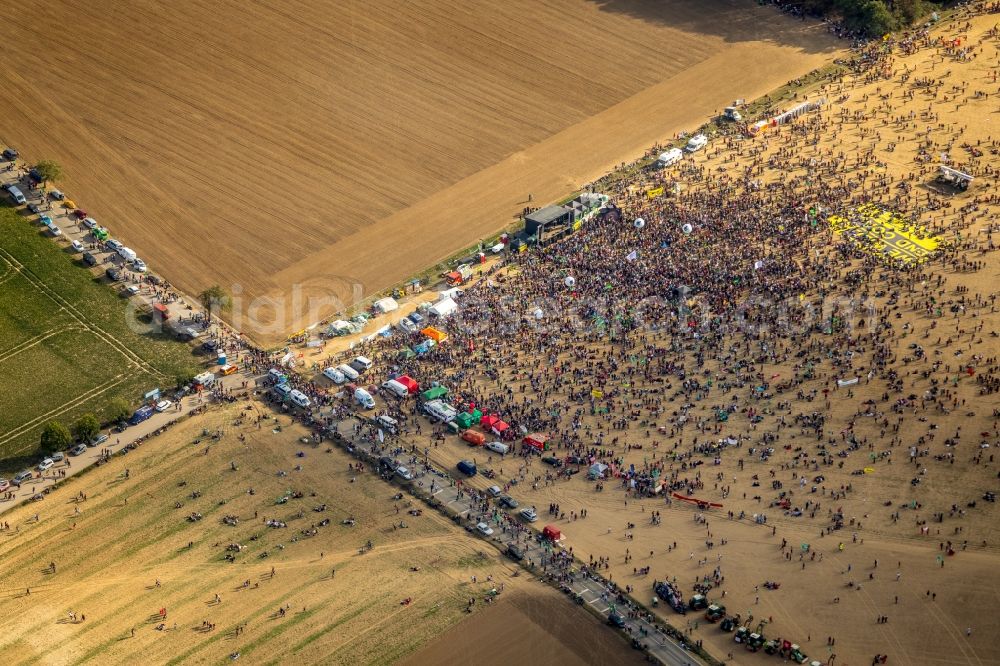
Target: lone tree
point(49, 170)
point(86, 428)
point(215, 299)
point(55, 437)
point(118, 410)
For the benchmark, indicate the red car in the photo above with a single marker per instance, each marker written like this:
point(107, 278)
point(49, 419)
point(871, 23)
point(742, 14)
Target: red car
point(79, 213)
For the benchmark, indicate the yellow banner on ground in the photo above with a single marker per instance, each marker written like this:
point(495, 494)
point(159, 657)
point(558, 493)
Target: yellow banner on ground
point(596, 393)
point(654, 192)
point(884, 232)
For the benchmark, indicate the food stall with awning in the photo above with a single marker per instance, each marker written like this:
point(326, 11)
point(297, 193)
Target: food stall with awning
point(409, 382)
point(434, 393)
point(500, 429)
point(464, 420)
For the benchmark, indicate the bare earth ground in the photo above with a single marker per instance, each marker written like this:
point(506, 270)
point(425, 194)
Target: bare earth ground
point(258, 147)
point(108, 564)
point(536, 628)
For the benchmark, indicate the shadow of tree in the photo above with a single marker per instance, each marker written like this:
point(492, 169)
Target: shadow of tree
point(731, 20)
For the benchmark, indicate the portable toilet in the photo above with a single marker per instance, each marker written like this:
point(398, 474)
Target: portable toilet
point(222, 358)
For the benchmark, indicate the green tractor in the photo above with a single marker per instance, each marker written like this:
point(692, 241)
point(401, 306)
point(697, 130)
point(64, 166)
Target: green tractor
point(730, 623)
point(793, 652)
point(755, 641)
point(773, 646)
point(698, 602)
point(797, 655)
point(741, 635)
point(715, 612)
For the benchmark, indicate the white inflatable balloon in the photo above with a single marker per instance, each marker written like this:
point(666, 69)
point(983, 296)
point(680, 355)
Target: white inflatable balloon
point(687, 228)
point(538, 313)
point(639, 223)
point(570, 281)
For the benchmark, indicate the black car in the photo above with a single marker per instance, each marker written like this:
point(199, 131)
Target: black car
point(515, 553)
point(10, 154)
point(35, 175)
point(616, 620)
point(34, 208)
point(113, 274)
point(550, 460)
point(508, 501)
point(210, 345)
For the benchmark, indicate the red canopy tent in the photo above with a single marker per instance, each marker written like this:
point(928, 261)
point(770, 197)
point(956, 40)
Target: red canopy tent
point(500, 428)
point(489, 421)
point(409, 382)
point(552, 533)
point(537, 441)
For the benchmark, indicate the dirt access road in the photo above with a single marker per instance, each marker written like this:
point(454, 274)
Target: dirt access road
point(344, 148)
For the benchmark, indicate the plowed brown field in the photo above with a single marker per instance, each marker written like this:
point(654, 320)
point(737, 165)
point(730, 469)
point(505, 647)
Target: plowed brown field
point(339, 144)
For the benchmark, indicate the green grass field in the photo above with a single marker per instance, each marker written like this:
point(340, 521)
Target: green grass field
point(65, 344)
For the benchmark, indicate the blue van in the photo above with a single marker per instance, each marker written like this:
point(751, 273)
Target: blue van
point(141, 415)
point(467, 467)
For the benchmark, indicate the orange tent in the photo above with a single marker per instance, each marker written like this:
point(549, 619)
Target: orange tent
point(435, 334)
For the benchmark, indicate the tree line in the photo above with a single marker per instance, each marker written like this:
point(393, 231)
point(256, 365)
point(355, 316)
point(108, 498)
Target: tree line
point(871, 17)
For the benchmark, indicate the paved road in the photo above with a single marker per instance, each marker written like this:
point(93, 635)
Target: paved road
point(595, 591)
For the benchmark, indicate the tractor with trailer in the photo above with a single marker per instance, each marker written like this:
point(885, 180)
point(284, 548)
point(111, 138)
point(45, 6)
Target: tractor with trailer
point(669, 593)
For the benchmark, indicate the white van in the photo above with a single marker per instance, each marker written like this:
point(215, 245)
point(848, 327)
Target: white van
point(695, 143)
point(205, 379)
point(299, 398)
point(334, 375)
point(128, 254)
point(16, 195)
point(387, 422)
point(364, 398)
point(348, 371)
point(672, 156)
point(395, 387)
point(498, 447)
point(440, 411)
point(364, 362)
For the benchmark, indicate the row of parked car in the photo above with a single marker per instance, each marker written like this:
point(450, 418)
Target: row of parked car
point(99, 233)
point(47, 463)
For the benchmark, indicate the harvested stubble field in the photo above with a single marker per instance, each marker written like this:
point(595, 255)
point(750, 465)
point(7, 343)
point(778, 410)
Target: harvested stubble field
point(65, 344)
point(344, 147)
point(132, 531)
